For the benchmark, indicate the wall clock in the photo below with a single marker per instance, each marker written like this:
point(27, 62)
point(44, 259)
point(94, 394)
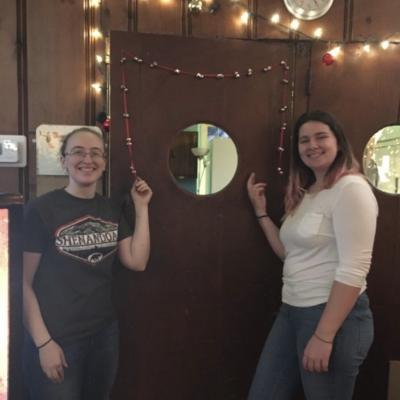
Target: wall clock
point(308, 9)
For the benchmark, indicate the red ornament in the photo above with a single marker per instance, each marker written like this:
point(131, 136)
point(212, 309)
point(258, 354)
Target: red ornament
point(106, 124)
point(328, 59)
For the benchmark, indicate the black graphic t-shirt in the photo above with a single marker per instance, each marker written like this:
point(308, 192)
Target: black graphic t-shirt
point(77, 239)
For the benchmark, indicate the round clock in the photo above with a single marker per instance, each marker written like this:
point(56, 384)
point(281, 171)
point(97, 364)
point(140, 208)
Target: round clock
point(308, 9)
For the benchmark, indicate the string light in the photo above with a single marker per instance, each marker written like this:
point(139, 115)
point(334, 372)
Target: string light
point(275, 19)
point(97, 87)
point(94, 3)
point(244, 18)
point(318, 33)
point(335, 51)
point(99, 58)
point(295, 24)
point(366, 48)
point(96, 34)
point(385, 44)
point(195, 6)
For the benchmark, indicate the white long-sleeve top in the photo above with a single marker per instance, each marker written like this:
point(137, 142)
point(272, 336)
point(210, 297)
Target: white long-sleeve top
point(328, 238)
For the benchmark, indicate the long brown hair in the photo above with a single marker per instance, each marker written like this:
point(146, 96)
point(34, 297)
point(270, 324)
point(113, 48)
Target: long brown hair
point(302, 177)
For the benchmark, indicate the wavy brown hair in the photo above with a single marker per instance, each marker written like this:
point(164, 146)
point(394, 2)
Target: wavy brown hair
point(302, 177)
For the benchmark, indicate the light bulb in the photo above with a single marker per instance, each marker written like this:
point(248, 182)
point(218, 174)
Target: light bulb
point(295, 24)
point(318, 33)
point(96, 34)
point(275, 19)
point(335, 51)
point(244, 18)
point(385, 44)
point(97, 87)
point(367, 48)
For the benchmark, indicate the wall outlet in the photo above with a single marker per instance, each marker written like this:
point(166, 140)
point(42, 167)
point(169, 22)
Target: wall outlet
point(12, 151)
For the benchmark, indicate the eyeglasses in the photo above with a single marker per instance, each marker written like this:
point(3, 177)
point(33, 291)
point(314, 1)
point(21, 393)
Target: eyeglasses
point(80, 154)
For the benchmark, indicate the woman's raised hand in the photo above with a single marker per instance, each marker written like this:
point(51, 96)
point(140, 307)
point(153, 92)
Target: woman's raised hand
point(256, 192)
point(141, 193)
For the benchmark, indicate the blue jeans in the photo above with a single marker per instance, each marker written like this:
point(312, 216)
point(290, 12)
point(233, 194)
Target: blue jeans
point(280, 372)
point(92, 367)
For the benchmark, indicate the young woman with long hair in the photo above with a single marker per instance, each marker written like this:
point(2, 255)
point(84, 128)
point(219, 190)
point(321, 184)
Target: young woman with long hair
point(324, 328)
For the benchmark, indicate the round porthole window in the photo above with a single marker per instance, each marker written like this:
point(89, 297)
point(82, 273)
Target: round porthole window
point(381, 159)
point(203, 159)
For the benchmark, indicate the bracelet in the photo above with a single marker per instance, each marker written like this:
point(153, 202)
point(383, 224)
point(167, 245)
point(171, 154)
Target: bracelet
point(44, 344)
point(262, 216)
point(322, 340)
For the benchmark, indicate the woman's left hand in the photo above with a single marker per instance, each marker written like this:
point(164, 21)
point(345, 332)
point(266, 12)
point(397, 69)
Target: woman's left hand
point(141, 193)
point(316, 355)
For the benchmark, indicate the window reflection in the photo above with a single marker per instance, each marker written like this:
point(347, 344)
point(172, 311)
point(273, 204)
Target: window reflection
point(381, 160)
point(203, 159)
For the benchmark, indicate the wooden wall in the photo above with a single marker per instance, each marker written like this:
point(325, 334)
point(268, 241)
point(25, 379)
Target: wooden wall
point(47, 66)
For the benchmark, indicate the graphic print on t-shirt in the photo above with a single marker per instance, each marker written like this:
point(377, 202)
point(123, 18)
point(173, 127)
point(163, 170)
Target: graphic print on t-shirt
point(88, 239)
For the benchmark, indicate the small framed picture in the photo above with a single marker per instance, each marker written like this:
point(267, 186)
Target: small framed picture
point(48, 143)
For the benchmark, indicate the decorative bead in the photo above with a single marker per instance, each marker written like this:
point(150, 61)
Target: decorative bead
point(285, 81)
point(122, 60)
point(138, 60)
point(285, 65)
point(124, 88)
point(177, 71)
point(284, 125)
point(199, 75)
point(249, 72)
point(283, 108)
point(236, 75)
point(281, 149)
point(267, 69)
point(126, 115)
point(129, 144)
point(154, 64)
point(220, 76)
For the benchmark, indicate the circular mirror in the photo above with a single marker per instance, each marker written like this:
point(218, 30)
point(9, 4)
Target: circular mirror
point(381, 159)
point(203, 159)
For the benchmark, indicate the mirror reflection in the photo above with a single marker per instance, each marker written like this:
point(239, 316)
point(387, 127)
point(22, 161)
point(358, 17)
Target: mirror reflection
point(203, 159)
point(381, 160)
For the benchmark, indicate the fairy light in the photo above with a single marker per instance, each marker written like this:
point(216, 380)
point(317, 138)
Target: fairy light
point(94, 3)
point(318, 33)
point(96, 34)
point(385, 44)
point(99, 58)
point(244, 18)
point(275, 19)
point(294, 24)
point(366, 48)
point(335, 51)
point(97, 87)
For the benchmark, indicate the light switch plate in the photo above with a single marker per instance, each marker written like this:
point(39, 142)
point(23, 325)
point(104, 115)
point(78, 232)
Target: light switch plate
point(12, 151)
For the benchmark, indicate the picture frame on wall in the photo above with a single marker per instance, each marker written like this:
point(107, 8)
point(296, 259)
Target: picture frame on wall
point(48, 143)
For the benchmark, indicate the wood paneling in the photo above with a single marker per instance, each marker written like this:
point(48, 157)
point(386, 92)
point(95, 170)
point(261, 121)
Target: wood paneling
point(160, 16)
point(118, 14)
point(56, 56)
point(375, 19)
point(8, 68)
